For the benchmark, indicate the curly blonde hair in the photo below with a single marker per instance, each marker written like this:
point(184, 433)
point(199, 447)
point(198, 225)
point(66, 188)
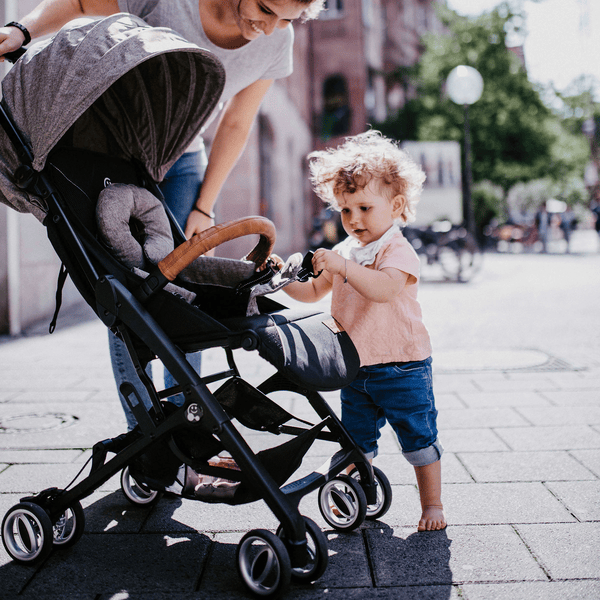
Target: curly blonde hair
point(313, 10)
point(361, 159)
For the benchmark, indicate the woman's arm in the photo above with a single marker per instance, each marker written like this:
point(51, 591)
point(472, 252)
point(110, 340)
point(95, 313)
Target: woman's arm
point(377, 286)
point(229, 141)
point(50, 16)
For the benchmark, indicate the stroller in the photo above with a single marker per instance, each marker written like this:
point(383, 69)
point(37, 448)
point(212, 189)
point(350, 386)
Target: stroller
point(64, 145)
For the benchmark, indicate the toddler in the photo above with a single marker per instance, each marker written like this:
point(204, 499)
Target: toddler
point(373, 276)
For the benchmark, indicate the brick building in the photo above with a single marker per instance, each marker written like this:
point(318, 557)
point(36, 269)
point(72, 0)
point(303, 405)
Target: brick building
point(346, 67)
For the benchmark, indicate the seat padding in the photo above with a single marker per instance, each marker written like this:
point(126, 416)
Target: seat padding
point(307, 346)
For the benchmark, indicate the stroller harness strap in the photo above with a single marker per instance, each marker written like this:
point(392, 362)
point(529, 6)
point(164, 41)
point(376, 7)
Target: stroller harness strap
point(201, 243)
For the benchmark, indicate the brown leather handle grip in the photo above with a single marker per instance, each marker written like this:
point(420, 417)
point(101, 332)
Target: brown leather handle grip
point(199, 244)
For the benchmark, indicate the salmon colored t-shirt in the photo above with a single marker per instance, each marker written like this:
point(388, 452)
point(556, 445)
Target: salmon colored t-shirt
point(391, 331)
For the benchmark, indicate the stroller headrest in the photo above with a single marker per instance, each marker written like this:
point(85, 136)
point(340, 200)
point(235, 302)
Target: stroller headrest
point(133, 224)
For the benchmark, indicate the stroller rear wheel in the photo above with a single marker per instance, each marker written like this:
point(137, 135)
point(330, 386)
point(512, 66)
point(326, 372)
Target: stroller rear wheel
point(318, 556)
point(137, 493)
point(263, 563)
point(384, 494)
point(27, 533)
point(343, 503)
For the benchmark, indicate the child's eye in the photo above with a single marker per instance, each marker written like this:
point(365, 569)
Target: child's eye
point(345, 211)
point(365, 208)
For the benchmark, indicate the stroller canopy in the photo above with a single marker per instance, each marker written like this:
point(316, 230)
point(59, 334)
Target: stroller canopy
point(114, 85)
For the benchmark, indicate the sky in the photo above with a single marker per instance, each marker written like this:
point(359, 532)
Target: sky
point(563, 40)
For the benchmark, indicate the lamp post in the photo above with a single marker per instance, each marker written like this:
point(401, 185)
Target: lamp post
point(465, 86)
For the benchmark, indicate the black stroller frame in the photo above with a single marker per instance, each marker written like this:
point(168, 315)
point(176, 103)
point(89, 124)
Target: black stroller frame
point(132, 307)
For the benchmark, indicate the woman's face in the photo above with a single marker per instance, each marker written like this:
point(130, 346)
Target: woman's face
point(258, 17)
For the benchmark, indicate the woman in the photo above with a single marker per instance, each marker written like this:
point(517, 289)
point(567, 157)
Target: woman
point(252, 38)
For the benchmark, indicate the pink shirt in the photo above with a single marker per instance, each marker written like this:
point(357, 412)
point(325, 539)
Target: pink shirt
point(391, 331)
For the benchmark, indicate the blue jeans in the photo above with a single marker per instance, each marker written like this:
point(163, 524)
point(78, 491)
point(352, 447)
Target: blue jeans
point(402, 395)
point(181, 188)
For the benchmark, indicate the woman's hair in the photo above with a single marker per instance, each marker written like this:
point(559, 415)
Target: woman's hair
point(312, 10)
point(361, 159)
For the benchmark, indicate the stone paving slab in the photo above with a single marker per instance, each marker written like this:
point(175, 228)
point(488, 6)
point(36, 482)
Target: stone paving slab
point(39, 456)
point(589, 458)
point(481, 417)
point(568, 437)
point(562, 415)
point(566, 550)
point(457, 555)
point(524, 466)
point(587, 397)
point(111, 563)
point(473, 440)
point(501, 399)
point(498, 503)
point(582, 498)
point(550, 590)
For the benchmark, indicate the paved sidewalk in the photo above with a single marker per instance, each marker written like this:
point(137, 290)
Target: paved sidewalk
point(521, 474)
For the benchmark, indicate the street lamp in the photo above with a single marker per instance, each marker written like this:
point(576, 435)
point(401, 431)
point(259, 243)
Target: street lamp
point(465, 86)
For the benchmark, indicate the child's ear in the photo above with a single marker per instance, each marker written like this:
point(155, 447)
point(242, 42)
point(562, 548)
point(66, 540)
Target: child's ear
point(398, 205)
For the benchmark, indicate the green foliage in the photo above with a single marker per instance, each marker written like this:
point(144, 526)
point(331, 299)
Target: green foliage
point(488, 204)
point(515, 136)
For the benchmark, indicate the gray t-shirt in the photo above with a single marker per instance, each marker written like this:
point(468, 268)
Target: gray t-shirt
point(266, 57)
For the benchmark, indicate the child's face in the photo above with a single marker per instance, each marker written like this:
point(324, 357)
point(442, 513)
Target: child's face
point(367, 214)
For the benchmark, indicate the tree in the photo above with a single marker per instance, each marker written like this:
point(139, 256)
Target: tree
point(515, 136)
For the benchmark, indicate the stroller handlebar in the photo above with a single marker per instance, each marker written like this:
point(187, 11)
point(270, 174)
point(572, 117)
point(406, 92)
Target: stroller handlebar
point(201, 243)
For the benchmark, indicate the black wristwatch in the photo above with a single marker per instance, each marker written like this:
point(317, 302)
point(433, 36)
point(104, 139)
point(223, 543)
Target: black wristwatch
point(23, 31)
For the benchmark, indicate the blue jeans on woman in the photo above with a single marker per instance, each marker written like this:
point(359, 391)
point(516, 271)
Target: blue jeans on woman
point(181, 188)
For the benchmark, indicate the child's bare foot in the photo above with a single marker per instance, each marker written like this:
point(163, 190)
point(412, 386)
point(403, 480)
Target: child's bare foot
point(432, 519)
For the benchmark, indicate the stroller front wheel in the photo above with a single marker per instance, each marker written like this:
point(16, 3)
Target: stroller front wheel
point(263, 563)
point(27, 533)
point(318, 556)
point(343, 503)
point(137, 493)
point(384, 494)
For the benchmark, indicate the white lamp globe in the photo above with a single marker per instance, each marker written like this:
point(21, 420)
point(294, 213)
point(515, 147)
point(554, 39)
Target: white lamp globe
point(464, 85)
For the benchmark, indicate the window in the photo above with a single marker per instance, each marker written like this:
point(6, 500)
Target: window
point(336, 111)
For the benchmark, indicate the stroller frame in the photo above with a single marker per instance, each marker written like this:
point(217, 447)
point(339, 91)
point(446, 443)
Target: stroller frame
point(121, 308)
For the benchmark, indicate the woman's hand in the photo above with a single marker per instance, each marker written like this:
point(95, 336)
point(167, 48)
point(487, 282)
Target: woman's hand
point(196, 223)
point(11, 39)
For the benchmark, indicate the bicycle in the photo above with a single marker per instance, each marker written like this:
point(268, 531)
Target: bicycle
point(451, 246)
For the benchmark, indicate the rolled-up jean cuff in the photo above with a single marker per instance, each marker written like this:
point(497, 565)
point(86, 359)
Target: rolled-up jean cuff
point(425, 456)
point(371, 455)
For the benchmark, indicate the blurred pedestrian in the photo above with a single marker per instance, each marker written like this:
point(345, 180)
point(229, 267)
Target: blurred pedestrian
point(595, 208)
point(568, 222)
point(542, 225)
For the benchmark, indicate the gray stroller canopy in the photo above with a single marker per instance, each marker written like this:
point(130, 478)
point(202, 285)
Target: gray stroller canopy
point(117, 86)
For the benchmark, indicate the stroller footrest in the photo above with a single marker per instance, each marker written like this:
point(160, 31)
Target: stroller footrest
point(329, 469)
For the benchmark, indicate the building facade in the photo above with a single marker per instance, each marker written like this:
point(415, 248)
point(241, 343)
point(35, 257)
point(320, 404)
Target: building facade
point(346, 67)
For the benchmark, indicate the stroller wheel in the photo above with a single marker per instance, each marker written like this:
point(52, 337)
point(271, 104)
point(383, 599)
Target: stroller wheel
point(263, 563)
point(27, 533)
point(384, 494)
point(318, 557)
point(343, 503)
point(137, 493)
point(69, 527)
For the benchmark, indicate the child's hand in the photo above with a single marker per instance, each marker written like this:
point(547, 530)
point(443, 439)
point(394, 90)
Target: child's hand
point(277, 261)
point(327, 260)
